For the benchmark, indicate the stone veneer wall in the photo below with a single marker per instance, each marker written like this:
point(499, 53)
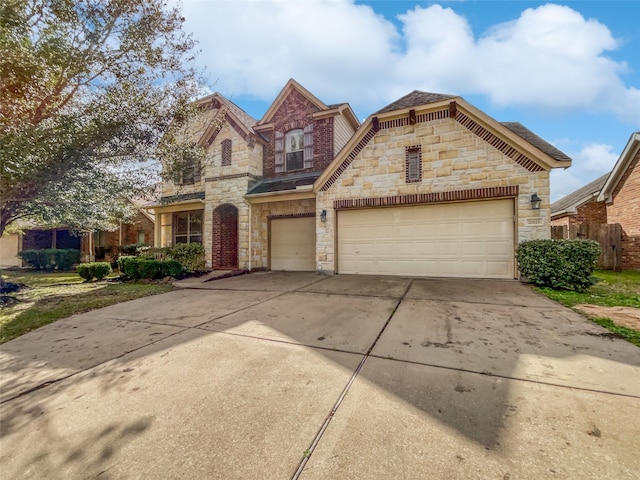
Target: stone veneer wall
point(225, 185)
point(227, 191)
point(260, 214)
point(453, 159)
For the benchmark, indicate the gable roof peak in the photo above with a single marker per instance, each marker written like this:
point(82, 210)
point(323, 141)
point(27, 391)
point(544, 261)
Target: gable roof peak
point(414, 99)
point(284, 93)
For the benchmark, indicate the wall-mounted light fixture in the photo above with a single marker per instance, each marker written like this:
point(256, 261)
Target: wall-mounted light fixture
point(323, 216)
point(535, 202)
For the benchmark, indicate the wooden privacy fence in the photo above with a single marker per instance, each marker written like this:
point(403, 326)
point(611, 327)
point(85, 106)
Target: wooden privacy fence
point(609, 236)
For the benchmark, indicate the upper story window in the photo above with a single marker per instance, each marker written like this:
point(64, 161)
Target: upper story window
point(294, 150)
point(226, 152)
point(413, 167)
point(188, 175)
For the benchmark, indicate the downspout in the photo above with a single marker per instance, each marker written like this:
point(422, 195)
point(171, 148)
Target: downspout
point(250, 239)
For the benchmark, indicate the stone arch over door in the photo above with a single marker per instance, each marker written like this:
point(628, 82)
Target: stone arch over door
point(225, 237)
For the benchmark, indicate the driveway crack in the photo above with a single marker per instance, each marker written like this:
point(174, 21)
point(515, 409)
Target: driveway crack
point(309, 451)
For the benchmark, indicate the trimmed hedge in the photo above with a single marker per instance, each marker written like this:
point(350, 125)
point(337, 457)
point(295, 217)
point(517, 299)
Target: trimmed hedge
point(140, 267)
point(97, 270)
point(51, 258)
point(190, 255)
point(559, 264)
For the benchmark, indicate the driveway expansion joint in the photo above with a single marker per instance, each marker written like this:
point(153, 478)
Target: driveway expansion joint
point(309, 451)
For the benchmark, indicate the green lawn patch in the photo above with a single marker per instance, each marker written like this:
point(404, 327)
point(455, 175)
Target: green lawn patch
point(50, 296)
point(613, 289)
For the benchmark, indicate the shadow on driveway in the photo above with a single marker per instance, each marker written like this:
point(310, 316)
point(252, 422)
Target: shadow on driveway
point(270, 356)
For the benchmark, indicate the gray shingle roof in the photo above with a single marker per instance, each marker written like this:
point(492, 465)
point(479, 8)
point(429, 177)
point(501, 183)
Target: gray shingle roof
point(243, 116)
point(569, 202)
point(536, 141)
point(285, 182)
point(415, 99)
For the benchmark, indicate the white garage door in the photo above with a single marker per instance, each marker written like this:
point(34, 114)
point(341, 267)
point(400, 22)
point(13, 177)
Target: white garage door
point(472, 239)
point(293, 244)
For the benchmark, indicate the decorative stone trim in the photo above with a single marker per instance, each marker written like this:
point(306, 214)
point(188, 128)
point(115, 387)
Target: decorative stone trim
point(494, 141)
point(422, 118)
point(413, 173)
point(377, 125)
point(182, 197)
point(226, 152)
point(231, 177)
point(293, 215)
point(433, 197)
point(347, 161)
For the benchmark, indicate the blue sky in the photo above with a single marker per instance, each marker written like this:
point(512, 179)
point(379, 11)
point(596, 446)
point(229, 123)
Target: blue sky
point(569, 71)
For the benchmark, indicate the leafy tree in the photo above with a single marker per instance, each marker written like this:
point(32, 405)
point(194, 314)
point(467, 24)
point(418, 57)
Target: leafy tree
point(91, 91)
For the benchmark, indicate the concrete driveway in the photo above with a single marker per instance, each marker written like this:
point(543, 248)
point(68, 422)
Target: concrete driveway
point(282, 375)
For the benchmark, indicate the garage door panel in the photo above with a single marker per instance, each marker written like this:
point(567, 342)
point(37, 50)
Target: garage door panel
point(473, 239)
point(293, 244)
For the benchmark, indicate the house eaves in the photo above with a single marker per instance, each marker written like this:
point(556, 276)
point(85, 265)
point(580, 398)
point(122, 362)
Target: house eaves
point(619, 169)
point(284, 93)
point(569, 203)
point(409, 108)
point(237, 118)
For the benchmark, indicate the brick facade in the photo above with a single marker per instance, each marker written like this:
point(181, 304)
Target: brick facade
point(589, 212)
point(625, 210)
point(296, 112)
point(225, 237)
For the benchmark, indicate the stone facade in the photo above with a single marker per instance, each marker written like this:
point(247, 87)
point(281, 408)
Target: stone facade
point(221, 183)
point(454, 161)
point(625, 210)
point(261, 215)
point(460, 157)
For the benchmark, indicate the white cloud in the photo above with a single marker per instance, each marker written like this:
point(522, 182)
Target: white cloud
point(591, 162)
point(551, 57)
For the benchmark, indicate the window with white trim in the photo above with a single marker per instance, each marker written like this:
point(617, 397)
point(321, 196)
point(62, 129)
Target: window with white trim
point(187, 227)
point(294, 150)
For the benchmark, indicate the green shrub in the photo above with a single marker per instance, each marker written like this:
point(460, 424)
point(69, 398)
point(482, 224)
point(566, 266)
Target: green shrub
point(148, 268)
point(171, 268)
point(97, 270)
point(101, 269)
point(140, 267)
point(85, 271)
point(51, 258)
point(190, 255)
point(127, 266)
point(559, 264)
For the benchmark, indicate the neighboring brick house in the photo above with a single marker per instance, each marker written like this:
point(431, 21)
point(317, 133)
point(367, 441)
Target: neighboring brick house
point(621, 192)
point(105, 245)
point(581, 206)
point(429, 185)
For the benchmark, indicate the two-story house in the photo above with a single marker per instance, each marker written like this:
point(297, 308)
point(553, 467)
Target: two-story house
point(428, 185)
point(274, 161)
